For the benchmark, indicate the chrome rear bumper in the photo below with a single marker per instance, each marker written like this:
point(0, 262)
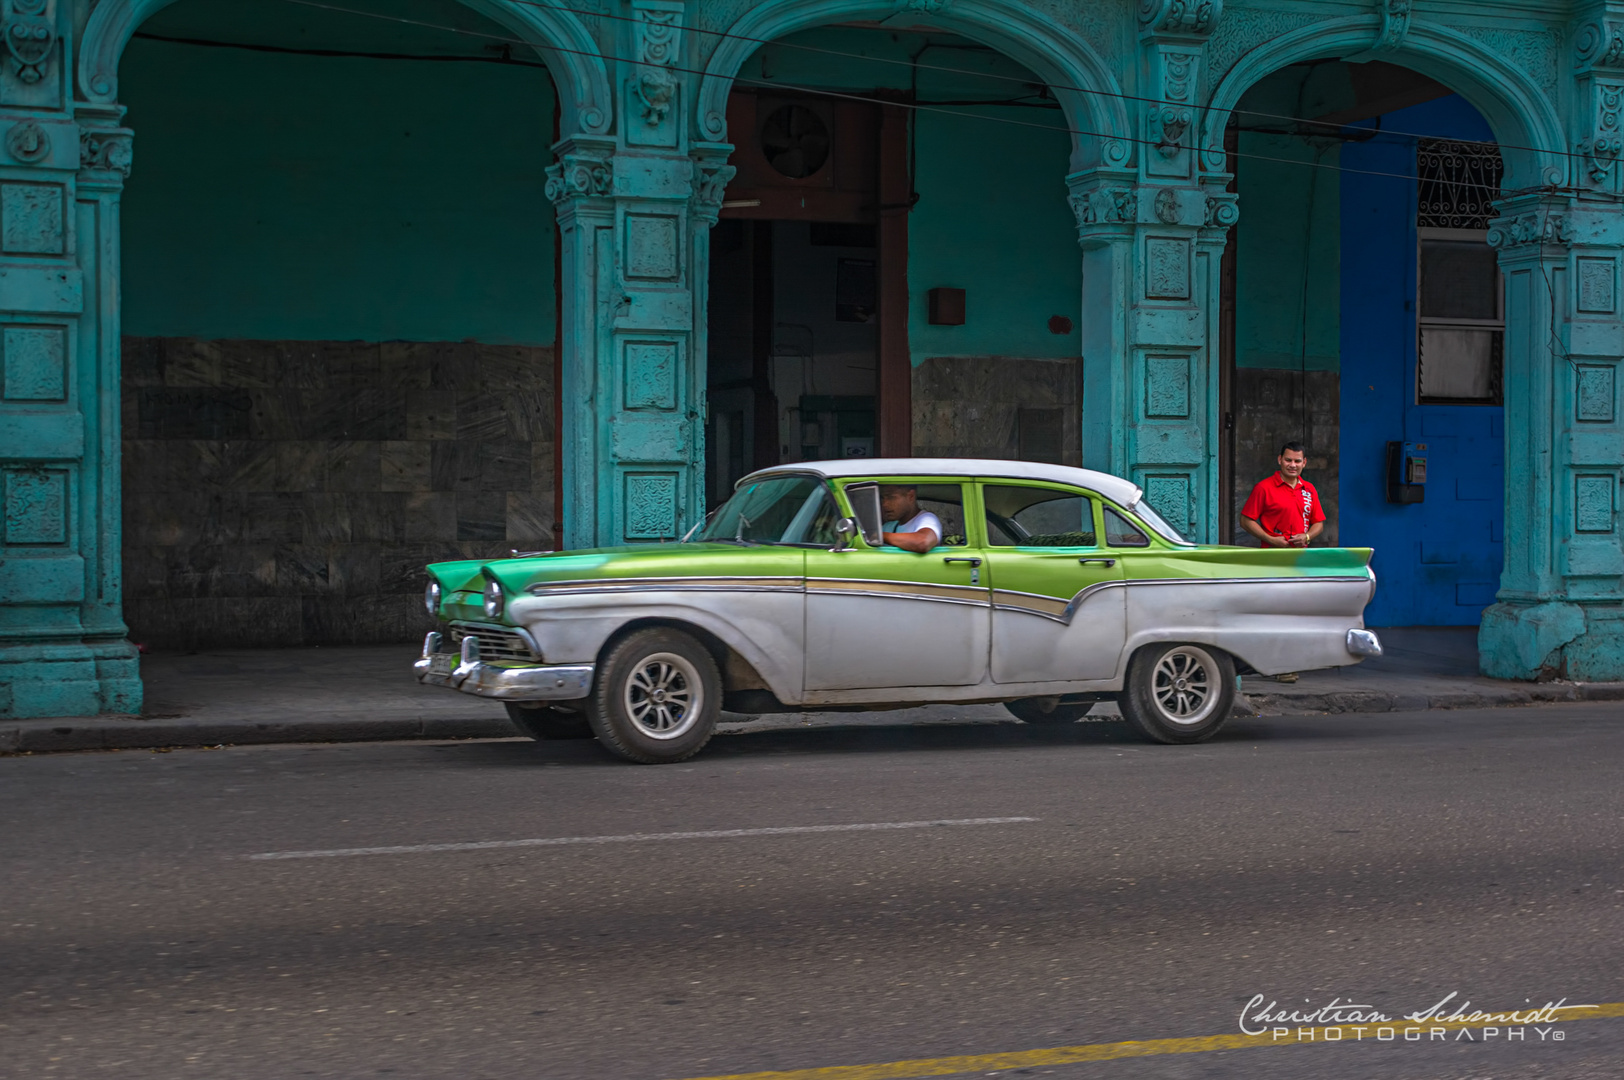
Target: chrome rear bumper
point(1364, 643)
point(501, 680)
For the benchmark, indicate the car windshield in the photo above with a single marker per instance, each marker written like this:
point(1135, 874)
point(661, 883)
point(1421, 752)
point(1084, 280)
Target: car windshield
point(778, 510)
point(1155, 521)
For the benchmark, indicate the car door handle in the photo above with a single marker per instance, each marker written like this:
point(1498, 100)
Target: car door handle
point(975, 567)
point(973, 562)
point(1107, 562)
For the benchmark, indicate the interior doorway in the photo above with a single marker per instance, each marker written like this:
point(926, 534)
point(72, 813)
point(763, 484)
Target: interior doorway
point(808, 313)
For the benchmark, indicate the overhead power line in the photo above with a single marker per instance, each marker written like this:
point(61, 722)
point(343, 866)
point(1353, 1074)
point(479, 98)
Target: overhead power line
point(781, 86)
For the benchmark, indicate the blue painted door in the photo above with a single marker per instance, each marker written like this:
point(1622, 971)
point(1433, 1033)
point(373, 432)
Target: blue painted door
point(1437, 562)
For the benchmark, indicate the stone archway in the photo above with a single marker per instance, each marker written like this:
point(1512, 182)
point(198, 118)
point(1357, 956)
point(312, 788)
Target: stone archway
point(1558, 595)
point(557, 35)
point(1093, 101)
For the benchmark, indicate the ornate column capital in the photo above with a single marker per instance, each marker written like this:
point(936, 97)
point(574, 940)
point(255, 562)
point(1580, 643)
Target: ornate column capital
point(583, 176)
point(106, 147)
point(1532, 228)
point(711, 176)
point(1106, 203)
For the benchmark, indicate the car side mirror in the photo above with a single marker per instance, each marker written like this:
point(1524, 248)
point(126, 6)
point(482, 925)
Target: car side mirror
point(845, 529)
point(865, 504)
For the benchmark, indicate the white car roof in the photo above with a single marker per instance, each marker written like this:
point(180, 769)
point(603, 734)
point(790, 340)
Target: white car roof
point(1121, 491)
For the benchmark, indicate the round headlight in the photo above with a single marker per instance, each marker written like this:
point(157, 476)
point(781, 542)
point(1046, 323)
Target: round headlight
point(493, 600)
point(431, 599)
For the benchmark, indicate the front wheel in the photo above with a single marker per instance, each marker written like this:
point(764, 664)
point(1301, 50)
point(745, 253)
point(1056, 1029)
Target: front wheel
point(656, 697)
point(1179, 693)
point(544, 723)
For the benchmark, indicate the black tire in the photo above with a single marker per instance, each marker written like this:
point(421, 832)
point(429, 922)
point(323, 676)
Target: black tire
point(1047, 710)
point(656, 697)
point(1179, 693)
point(544, 723)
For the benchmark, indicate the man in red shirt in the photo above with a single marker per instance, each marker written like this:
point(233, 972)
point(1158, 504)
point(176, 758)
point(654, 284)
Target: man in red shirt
point(1284, 509)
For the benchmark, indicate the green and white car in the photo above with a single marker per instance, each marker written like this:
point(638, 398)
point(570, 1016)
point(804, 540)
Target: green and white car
point(1053, 588)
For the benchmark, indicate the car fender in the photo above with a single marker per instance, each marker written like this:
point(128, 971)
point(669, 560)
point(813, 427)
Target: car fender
point(765, 627)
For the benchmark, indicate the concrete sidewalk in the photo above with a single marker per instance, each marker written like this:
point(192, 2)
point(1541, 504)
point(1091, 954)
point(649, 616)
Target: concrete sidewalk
point(358, 693)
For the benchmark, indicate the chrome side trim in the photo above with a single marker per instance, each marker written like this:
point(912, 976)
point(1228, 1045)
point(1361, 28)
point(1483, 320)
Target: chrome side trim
point(666, 584)
point(564, 682)
point(905, 590)
point(1100, 586)
point(1048, 607)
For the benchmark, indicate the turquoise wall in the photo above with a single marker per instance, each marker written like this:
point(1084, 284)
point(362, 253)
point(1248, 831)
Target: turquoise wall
point(992, 216)
point(1288, 254)
point(296, 197)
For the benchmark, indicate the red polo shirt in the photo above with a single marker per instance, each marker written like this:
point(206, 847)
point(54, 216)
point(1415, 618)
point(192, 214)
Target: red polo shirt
point(1281, 509)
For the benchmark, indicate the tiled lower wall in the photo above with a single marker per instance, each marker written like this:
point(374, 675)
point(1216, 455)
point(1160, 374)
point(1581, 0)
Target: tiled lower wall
point(998, 407)
point(290, 492)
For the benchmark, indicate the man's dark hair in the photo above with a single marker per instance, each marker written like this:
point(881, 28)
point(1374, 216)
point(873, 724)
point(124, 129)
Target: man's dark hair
point(1293, 445)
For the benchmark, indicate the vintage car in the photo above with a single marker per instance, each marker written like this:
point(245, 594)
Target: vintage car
point(1052, 588)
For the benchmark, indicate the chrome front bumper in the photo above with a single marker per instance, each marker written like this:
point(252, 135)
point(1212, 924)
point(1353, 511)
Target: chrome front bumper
point(506, 682)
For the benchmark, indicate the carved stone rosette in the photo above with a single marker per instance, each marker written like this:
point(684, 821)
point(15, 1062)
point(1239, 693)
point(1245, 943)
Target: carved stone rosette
point(656, 46)
point(1179, 16)
point(30, 36)
point(1395, 24)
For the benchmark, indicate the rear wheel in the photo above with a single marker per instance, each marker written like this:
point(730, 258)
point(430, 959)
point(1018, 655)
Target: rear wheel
point(1179, 693)
point(656, 697)
point(544, 723)
point(1047, 710)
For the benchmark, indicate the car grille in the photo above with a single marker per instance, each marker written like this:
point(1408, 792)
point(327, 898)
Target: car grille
point(495, 643)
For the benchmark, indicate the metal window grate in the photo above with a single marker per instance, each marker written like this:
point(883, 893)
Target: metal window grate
point(1458, 183)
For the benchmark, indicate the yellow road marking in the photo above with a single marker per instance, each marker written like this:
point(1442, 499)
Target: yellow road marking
point(1070, 1055)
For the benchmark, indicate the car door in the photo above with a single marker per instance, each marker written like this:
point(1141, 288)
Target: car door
point(879, 617)
point(1059, 613)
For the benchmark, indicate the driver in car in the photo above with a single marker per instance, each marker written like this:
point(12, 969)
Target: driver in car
point(908, 527)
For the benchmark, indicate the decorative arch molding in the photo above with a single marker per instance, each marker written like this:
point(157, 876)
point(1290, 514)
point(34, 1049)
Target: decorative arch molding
point(560, 38)
point(1516, 109)
point(1055, 53)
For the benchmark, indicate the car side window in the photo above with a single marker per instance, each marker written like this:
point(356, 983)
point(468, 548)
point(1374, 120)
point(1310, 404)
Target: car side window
point(946, 501)
point(1120, 533)
point(1038, 517)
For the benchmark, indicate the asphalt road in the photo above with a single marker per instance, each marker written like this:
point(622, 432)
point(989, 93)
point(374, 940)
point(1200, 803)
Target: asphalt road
point(1384, 860)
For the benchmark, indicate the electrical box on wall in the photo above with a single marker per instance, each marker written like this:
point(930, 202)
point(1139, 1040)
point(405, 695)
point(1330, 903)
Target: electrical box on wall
point(947, 307)
point(1406, 472)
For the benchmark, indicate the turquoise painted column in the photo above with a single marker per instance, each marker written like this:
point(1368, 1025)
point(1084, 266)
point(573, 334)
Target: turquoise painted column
point(1560, 609)
point(62, 638)
point(635, 209)
point(1152, 236)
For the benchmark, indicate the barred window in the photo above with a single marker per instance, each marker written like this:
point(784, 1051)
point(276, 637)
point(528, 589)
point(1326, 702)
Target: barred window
point(1459, 182)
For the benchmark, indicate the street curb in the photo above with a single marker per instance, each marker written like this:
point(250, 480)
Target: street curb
point(1276, 703)
point(134, 733)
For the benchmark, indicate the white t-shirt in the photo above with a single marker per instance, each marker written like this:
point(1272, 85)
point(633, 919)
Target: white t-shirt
point(920, 522)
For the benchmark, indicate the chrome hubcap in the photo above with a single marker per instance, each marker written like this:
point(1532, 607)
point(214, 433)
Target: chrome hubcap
point(1185, 685)
point(664, 696)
